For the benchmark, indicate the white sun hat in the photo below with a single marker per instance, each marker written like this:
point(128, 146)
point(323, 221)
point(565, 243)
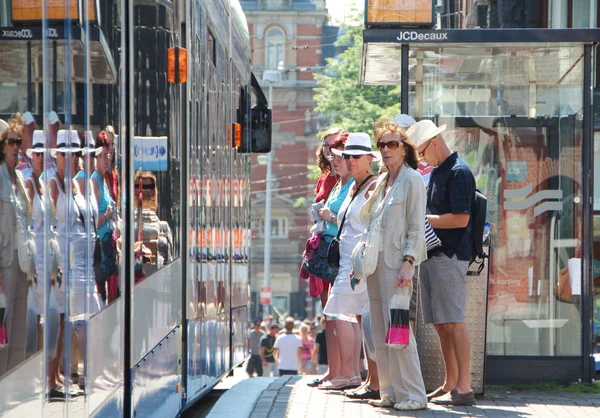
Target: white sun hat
point(424, 131)
point(38, 144)
point(3, 126)
point(404, 121)
point(62, 143)
point(91, 148)
point(27, 118)
point(358, 143)
point(53, 118)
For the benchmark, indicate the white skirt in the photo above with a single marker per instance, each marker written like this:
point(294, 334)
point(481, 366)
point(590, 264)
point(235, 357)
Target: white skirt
point(342, 305)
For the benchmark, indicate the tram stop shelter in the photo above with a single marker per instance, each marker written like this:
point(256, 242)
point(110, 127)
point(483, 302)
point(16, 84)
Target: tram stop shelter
point(518, 106)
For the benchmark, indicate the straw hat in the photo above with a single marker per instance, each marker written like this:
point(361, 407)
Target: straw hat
point(424, 131)
point(358, 143)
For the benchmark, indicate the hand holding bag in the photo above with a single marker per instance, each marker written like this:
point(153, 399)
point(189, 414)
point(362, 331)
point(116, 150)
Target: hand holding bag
point(333, 253)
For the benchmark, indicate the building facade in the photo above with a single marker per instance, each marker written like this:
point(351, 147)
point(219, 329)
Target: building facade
point(292, 39)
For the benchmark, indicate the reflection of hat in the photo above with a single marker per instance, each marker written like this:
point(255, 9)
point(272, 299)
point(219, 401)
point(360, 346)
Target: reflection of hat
point(62, 143)
point(38, 144)
point(404, 121)
point(423, 131)
point(53, 118)
point(90, 147)
point(357, 143)
point(3, 126)
point(27, 118)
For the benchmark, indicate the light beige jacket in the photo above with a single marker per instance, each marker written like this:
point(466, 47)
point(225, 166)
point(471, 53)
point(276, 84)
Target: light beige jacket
point(403, 223)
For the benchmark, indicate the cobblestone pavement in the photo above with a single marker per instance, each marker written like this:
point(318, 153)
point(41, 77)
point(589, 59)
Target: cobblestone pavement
point(290, 397)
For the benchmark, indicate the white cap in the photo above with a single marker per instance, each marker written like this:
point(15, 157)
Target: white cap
point(38, 144)
point(53, 118)
point(3, 126)
point(27, 118)
point(404, 121)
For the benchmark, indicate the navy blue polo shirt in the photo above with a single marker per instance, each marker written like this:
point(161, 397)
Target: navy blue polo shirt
point(452, 190)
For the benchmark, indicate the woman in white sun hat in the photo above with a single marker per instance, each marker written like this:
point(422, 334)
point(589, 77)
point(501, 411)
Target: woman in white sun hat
point(345, 301)
point(73, 215)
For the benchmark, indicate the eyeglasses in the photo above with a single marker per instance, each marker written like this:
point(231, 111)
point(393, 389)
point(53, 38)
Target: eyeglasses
point(348, 156)
point(13, 141)
point(390, 144)
point(335, 157)
point(422, 153)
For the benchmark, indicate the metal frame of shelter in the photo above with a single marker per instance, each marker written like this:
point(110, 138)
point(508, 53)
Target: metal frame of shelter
point(379, 42)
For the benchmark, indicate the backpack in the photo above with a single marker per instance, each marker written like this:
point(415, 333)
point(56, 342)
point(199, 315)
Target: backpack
point(478, 220)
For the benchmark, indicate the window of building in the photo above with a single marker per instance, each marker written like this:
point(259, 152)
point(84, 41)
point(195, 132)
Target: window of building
point(279, 227)
point(275, 52)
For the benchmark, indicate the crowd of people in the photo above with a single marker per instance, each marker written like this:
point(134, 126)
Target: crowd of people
point(394, 238)
point(58, 231)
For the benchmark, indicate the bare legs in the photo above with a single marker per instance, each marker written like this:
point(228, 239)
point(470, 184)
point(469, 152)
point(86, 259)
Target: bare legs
point(349, 333)
point(456, 349)
point(372, 379)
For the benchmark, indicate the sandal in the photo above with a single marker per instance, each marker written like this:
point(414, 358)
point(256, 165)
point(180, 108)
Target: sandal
point(364, 393)
point(410, 405)
point(57, 394)
point(333, 384)
point(436, 393)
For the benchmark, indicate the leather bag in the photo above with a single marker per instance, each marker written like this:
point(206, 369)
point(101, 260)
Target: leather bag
point(314, 259)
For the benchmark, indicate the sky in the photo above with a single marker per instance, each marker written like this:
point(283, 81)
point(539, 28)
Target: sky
point(338, 8)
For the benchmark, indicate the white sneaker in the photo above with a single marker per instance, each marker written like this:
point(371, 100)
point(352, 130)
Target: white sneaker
point(382, 403)
point(410, 405)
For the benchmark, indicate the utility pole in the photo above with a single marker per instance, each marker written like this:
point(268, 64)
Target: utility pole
point(271, 76)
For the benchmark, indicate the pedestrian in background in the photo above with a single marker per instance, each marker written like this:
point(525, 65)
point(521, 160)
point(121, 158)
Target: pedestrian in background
point(267, 351)
point(288, 350)
point(254, 362)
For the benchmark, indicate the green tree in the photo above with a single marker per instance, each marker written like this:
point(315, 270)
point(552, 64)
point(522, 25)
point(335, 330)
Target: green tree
point(339, 95)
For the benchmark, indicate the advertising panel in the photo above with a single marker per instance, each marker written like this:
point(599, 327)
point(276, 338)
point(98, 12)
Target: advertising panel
point(31, 10)
point(399, 13)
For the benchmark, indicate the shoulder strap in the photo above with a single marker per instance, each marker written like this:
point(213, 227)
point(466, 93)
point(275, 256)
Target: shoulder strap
point(353, 197)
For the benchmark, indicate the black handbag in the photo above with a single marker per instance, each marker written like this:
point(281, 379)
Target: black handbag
point(333, 253)
point(314, 262)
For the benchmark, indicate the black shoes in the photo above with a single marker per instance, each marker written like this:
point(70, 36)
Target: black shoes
point(363, 393)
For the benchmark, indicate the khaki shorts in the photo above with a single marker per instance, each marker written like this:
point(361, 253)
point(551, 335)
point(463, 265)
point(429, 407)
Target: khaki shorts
point(443, 283)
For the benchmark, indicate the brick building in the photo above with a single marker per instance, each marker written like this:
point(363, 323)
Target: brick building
point(291, 35)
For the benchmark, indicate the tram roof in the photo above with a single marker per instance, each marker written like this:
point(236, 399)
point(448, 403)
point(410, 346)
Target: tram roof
point(382, 48)
point(16, 40)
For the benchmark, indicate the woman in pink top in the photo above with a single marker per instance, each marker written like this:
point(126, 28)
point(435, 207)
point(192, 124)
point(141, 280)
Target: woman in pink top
point(308, 346)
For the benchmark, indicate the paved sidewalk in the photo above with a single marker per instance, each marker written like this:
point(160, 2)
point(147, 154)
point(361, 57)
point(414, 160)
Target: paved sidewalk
point(289, 397)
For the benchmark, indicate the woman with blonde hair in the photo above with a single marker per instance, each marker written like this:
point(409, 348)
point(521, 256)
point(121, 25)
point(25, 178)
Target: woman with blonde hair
point(15, 218)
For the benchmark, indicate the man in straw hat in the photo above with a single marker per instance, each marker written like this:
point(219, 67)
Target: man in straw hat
point(443, 276)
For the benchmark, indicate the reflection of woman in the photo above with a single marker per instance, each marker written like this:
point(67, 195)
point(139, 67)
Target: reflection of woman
point(400, 198)
point(37, 195)
point(106, 204)
point(15, 216)
point(345, 302)
point(72, 215)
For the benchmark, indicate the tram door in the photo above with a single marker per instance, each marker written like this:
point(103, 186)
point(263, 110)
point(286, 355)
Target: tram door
point(514, 114)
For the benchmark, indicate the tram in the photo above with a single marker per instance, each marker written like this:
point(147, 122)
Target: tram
point(166, 88)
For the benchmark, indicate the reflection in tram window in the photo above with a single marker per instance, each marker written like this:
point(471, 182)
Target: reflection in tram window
point(154, 234)
point(17, 249)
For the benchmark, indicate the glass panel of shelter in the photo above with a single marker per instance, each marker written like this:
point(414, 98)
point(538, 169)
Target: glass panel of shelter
point(514, 114)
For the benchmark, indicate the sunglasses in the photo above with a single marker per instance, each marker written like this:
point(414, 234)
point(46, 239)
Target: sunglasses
point(64, 154)
point(348, 156)
point(13, 141)
point(390, 144)
point(422, 153)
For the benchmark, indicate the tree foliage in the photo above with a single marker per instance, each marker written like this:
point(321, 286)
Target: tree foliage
point(339, 95)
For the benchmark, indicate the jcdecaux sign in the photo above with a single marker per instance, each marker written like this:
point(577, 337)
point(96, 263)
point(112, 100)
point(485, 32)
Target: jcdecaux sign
point(413, 35)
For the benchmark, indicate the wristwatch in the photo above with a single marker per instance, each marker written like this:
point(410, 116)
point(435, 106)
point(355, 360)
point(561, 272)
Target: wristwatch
point(333, 217)
point(409, 261)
